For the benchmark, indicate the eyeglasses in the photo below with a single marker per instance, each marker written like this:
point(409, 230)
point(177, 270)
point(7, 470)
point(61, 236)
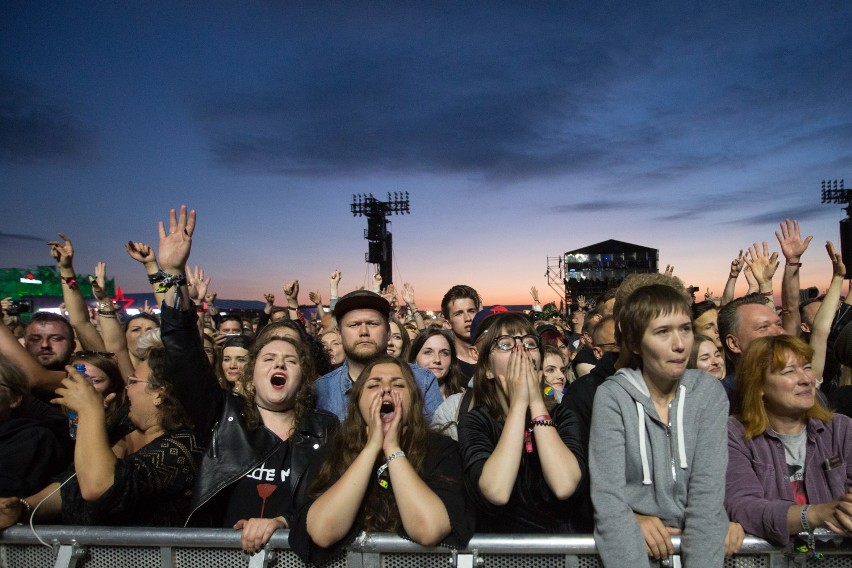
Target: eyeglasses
point(508, 342)
point(81, 354)
point(133, 380)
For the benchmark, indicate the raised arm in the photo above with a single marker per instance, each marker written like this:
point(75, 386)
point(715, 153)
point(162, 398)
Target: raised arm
point(114, 339)
point(78, 310)
point(291, 292)
point(144, 254)
point(332, 515)
point(825, 314)
point(94, 459)
point(408, 298)
point(731, 285)
point(536, 303)
point(792, 247)
point(334, 284)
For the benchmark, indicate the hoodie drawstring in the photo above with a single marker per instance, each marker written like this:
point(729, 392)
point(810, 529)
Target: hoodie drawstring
point(643, 450)
point(681, 445)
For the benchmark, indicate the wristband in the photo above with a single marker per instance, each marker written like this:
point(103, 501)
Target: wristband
point(767, 294)
point(384, 467)
point(542, 417)
point(106, 312)
point(794, 264)
point(169, 281)
point(157, 277)
point(71, 281)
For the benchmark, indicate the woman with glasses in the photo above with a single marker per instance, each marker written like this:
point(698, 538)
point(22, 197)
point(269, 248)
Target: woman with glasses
point(521, 462)
point(657, 446)
point(136, 474)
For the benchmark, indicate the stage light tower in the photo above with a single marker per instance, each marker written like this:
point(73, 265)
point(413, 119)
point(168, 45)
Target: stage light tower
point(379, 239)
point(832, 192)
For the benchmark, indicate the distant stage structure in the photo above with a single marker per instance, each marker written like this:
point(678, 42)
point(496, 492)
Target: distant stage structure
point(380, 240)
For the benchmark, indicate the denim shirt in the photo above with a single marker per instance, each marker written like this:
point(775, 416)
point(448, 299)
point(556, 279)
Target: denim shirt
point(758, 483)
point(332, 390)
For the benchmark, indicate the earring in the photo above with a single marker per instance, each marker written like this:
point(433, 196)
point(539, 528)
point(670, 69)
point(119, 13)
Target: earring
point(157, 402)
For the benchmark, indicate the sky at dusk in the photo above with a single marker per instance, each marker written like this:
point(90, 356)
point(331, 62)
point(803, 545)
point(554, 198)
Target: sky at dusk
point(521, 131)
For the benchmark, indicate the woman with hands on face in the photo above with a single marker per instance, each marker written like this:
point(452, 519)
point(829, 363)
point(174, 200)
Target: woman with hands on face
point(386, 472)
point(522, 463)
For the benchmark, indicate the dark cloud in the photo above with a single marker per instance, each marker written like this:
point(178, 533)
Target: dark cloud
point(510, 93)
point(5, 237)
point(777, 215)
point(36, 129)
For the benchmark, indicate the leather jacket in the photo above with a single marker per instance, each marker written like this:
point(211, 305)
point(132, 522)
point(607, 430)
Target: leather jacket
point(233, 450)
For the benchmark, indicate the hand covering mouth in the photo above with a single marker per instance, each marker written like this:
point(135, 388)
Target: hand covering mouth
point(279, 380)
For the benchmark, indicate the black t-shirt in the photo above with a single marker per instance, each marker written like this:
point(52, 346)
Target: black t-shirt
point(466, 369)
point(263, 492)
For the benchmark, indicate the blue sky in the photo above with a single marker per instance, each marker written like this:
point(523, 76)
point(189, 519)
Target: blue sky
point(519, 131)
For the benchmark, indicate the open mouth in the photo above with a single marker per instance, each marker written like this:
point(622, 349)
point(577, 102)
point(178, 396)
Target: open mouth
point(279, 380)
point(386, 410)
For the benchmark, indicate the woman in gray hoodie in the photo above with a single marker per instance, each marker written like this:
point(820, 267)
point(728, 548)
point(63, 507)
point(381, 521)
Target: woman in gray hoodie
point(658, 450)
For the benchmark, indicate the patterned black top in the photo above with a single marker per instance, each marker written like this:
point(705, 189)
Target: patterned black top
point(152, 487)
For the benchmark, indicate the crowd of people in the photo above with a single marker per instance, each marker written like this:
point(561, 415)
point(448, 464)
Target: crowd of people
point(639, 415)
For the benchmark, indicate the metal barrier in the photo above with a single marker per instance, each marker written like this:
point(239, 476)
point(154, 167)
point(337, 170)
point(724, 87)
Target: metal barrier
point(109, 547)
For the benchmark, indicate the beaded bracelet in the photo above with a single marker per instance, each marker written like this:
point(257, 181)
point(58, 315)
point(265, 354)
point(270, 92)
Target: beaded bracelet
point(70, 281)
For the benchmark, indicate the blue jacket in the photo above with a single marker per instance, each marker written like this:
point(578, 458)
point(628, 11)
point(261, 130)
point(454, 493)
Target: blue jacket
point(332, 390)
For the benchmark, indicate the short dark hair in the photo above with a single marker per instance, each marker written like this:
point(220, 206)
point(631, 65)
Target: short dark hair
point(807, 303)
point(459, 292)
point(229, 317)
point(50, 317)
point(140, 315)
point(728, 320)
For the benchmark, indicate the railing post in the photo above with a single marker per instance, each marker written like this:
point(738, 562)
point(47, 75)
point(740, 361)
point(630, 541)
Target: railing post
point(69, 554)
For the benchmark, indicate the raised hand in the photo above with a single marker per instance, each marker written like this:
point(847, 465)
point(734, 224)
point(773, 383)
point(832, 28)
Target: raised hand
point(62, 253)
point(291, 291)
point(270, 298)
point(335, 278)
point(98, 282)
point(763, 265)
point(375, 428)
point(708, 295)
point(737, 265)
point(389, 294)
point(581, 301)
point(408, 294)
point(140, 252)
point(176, 244)
point(837, 266)
point(534, 294)
point(315, 298)
point(77, 394)
point(790, 239)
point(197, 284)
point(377, 283)
point(669, 270)
point(147, 309)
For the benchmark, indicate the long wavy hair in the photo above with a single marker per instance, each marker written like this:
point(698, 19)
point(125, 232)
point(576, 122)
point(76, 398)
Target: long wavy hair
point(403, 335)
point(453, 382)
point(486, 391)
point(381, 513)
point(305, 394)
point(763, 356)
